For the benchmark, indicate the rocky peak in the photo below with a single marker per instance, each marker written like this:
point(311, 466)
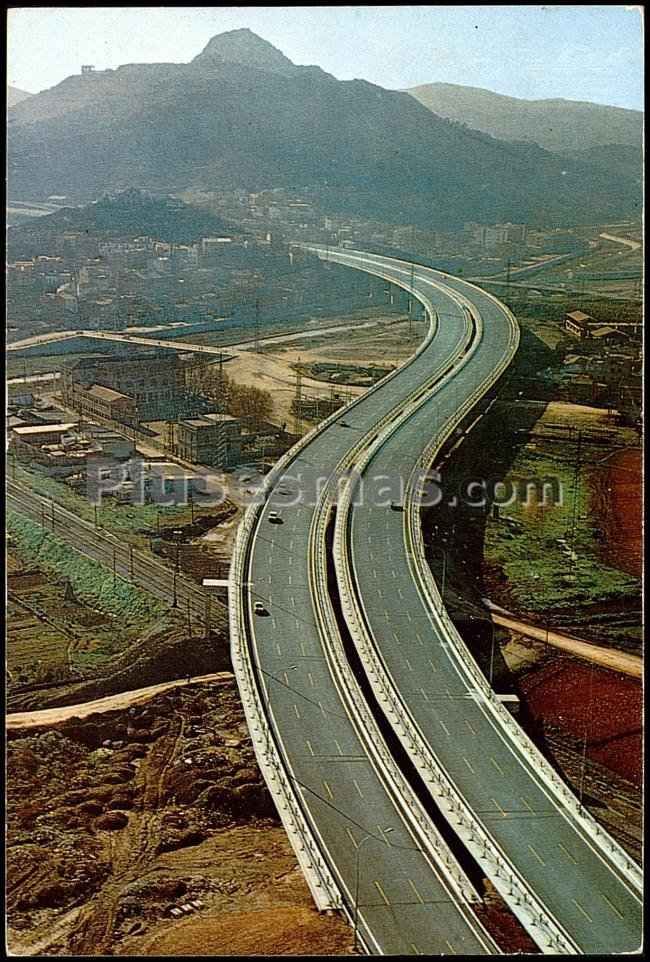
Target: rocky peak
point(246, 48)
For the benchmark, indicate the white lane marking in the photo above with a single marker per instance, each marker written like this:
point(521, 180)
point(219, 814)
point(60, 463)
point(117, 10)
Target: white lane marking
point(537, 855)
point(352, 838)
point(567, 853)
point(611, 904)
point(329, 791)
point(308, 743)
point(356, 785)
point(295, 708)
point(381, 891)
point(496, 765)
point(417, 894)
point(586, 914)
point(469, 766)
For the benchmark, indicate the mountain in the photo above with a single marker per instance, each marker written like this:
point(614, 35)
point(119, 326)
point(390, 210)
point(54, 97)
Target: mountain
point(244, 47)
point(558, 125)
point(241, 115)
point(14, 96)
point(129, 214)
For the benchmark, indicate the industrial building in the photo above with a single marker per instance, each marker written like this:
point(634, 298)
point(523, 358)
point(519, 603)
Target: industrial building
point(145, 385)
point(209, 439)
point(577, 323)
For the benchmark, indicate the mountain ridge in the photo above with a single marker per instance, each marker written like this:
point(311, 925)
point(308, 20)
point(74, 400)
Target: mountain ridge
point(222, 123)
point(15, 95)
point(556, 123)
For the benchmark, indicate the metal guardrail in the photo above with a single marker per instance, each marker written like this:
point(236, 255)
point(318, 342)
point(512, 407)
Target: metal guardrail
point(272, 765)
point(511, 885)
point(431, 842)
point(431, 593)
point(319, 878)
point(607, 844)
point(550, 935)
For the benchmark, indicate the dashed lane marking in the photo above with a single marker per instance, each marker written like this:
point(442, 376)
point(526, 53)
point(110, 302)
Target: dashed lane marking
point(611, 904)
point(567, 853)
point(417, 894)
point(578, 906)
point(381, 892)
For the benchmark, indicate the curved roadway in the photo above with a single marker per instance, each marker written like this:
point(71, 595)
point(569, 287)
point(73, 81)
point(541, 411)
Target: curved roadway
point(405, 903)
point(590, 899)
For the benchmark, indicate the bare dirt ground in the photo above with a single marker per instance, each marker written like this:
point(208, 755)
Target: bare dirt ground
point(388, 342)
point(18, 721)
point(149, 830)
point(617, 501)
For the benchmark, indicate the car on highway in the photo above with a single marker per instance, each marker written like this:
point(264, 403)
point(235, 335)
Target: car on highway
point(259, 608)
point(396, 506)
point(274, 517)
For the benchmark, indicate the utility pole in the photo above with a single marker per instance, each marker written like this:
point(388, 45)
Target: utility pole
point(256, 342)
point(298, 399)
point(411, 299)
point(207, 616)
point(114, 569)
point(574, 506)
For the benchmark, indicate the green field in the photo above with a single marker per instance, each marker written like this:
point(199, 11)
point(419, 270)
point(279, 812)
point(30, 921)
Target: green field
point(523, 543)
point(125, 520)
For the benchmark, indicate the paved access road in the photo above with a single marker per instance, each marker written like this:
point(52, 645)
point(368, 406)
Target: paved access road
point(405, 905)
point(585, 893)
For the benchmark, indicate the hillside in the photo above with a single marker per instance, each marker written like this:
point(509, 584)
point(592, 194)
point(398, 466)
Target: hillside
point(558, 125)
point(241, 115)
point(129, 214)
point(15, 96)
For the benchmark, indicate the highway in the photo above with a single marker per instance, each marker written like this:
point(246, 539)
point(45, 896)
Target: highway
point(405, 902)
point(592, 902)
point(589, 901)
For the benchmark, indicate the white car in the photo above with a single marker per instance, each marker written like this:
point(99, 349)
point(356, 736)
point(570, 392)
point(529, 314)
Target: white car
point(274, 517)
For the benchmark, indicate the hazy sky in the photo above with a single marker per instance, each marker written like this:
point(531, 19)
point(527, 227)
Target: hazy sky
point(582, 52)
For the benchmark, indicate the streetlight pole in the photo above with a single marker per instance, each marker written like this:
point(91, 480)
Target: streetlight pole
point(492, 656)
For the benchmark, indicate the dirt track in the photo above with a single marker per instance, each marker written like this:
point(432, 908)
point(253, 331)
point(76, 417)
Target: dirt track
point(607, 657)
point(53, 716)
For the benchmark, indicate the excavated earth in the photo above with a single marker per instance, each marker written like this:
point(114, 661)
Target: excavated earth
point(150, 831)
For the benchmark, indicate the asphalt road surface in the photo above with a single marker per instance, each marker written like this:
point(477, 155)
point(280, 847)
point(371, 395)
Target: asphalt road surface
point(404, 905)
point(582, 891)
